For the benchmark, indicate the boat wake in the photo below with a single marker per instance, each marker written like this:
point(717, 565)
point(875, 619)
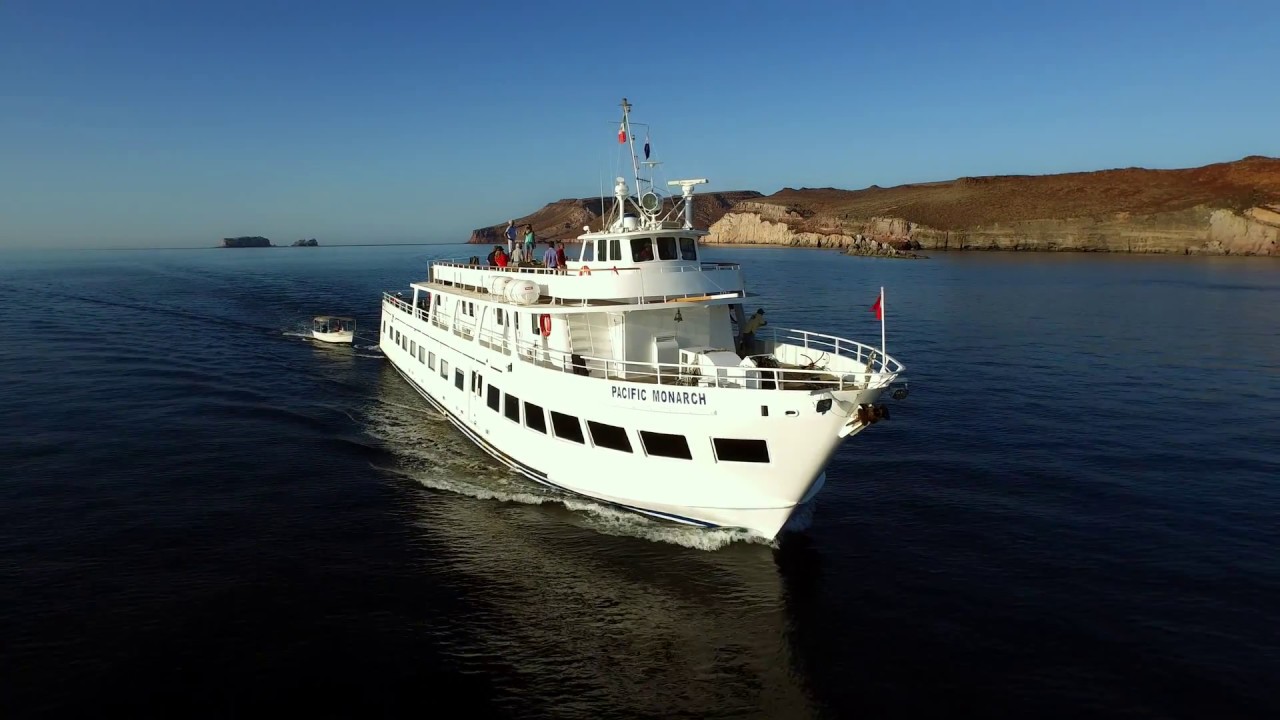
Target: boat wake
point(425, 448)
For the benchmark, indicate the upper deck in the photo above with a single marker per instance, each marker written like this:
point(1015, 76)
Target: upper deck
point(658, 282)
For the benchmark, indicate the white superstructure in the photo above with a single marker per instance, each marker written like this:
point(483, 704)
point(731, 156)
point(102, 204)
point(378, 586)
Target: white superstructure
point(620, 377)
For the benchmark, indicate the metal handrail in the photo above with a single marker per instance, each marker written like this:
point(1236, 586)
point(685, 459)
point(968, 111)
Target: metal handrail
point(869, 366)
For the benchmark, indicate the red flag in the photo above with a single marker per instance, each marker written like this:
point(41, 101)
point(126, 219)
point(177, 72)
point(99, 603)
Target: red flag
point(622, 134)
point(876, 309)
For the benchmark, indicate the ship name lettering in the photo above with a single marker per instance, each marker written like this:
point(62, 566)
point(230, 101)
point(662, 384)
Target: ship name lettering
point(665, 397)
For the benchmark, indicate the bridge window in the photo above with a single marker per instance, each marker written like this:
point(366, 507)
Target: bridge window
point(494, 399)
point(666, 248)
point(688, 250)
point(756, 451)
point(642, 249)
point(567, 427)
point(609, 436)
point(534, 419)
point(513, 408)
point(588, 252)
point(615, 249)
point(665, 445)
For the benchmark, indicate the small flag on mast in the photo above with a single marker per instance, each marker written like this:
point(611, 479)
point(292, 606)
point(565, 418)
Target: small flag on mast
point(877, 309)
point(622, 133)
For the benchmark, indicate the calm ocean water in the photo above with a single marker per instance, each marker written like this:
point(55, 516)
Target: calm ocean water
point(1076, 513)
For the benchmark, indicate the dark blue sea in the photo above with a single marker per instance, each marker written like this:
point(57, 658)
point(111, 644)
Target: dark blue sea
point(1075, 513)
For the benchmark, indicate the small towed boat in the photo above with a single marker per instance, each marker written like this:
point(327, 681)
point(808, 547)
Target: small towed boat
point(327, 328)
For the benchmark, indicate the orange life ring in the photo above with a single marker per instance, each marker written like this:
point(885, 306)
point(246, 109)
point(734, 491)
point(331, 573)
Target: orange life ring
point(545, 323)
point(584, 270)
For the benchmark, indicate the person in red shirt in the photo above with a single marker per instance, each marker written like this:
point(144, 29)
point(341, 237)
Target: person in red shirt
point(500, 258)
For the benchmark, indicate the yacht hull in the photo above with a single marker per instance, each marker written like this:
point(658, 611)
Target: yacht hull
point(705, 489)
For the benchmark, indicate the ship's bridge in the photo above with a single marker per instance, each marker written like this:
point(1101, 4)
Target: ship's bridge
point(653, 265)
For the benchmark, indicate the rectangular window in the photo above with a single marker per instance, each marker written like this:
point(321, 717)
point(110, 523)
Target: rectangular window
point(444, 368)
point(641, 249)
point(431, 361)
point(397, 337)
point(413, 347)
point(666, 248)
point(755, 451)
point(497, 314)
point(457, 379)
point(687, 250)
point(494, 398)
point(534, 419)
point(384, 326)
point(609, 436)
point(615, 249)
point(665, 445)
point(588, 252)
point(422, 354)
point(567, 427)
point(513, 408)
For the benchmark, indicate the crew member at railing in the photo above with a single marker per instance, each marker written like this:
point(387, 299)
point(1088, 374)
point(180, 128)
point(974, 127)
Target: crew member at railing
point(754, 323)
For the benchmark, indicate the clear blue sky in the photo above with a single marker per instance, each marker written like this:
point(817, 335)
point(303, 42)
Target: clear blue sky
point(177, 122)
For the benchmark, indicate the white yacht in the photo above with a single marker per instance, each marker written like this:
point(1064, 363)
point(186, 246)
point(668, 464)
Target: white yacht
point(623, 377)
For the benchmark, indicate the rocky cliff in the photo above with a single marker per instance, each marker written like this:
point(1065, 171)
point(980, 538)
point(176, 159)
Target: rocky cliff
point(1227, 208)
point(563, 219)
point(246, 241)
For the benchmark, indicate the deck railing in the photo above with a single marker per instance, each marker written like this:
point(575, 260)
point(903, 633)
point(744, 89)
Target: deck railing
point(815, 361)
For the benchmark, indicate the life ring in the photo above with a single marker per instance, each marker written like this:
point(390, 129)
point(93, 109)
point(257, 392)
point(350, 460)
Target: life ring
point(545, 323)
point(584, 270)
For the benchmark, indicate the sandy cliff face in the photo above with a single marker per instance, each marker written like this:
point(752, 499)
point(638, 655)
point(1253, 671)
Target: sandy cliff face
point(1228, 208)
point(1199, 230)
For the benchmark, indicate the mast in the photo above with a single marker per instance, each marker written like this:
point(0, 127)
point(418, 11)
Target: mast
point(631, 142)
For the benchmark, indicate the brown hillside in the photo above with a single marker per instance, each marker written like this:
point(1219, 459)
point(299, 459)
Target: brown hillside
point(971, 202)
point(563, 219)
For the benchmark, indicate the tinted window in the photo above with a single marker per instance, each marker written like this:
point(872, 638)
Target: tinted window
point(641, 249)
point(687, 250)
point(666, 248)
point(609, 436)
point(444, 368)
point(665, 445)
point(494, 400)
point(615, 249)
point(457, 379)
point(533, 417)
point(567, 426)
point(741, 450)
point(513, 408)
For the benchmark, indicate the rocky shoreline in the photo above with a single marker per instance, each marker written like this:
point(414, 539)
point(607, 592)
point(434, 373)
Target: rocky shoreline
point(1228, 208)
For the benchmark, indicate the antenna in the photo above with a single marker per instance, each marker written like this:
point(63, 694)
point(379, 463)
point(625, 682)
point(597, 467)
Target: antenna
point(686, 187)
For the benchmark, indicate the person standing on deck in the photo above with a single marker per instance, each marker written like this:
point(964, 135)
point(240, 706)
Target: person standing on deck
point(549, 256)
point(517, 255)
point(511, 237)
point(528, 242)
point(560, 259)
point(755, 322)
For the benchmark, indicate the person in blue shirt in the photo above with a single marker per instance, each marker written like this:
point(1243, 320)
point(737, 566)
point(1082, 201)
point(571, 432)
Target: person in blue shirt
point(549, 257)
